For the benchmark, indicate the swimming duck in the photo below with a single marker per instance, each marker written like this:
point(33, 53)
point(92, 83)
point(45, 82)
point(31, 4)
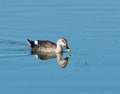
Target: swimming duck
point(48, 46)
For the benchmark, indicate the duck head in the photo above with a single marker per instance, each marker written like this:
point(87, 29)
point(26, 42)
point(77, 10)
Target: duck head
point(63, 42)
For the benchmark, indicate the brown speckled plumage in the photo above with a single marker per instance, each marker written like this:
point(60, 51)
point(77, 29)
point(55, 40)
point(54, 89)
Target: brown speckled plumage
point(47, 46)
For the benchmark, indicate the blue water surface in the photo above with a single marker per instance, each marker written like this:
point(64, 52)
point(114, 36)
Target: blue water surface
point(92, 28)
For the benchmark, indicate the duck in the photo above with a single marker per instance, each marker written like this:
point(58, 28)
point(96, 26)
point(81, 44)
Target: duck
point(48, 46)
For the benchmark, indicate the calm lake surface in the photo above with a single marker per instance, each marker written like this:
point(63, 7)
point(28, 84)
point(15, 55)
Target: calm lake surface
point(92, 28)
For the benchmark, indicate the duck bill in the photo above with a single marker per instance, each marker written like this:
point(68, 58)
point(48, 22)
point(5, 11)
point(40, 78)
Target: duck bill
point(68, 49)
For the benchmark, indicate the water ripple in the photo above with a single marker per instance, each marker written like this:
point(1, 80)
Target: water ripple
point(13, 48)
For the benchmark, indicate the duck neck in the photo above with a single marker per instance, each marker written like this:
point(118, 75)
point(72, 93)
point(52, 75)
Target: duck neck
point(59, 49)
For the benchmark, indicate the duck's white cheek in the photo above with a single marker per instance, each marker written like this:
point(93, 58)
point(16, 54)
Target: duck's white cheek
point(65, 44)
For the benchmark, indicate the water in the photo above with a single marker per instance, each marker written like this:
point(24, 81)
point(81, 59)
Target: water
point(92, 30)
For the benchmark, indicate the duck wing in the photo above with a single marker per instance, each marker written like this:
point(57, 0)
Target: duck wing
point(41, 44)
point(46, 44)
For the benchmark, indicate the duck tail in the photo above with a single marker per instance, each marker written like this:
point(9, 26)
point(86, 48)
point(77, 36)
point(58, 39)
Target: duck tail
point(30, 43)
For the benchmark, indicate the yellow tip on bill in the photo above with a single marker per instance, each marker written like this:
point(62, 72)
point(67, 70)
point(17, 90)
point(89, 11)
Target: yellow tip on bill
point(69, 50)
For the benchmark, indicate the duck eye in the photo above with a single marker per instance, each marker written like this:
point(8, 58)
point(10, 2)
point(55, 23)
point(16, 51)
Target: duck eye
point(63, 41)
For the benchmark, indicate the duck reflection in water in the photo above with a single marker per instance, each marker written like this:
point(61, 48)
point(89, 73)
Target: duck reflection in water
point(44, 56)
